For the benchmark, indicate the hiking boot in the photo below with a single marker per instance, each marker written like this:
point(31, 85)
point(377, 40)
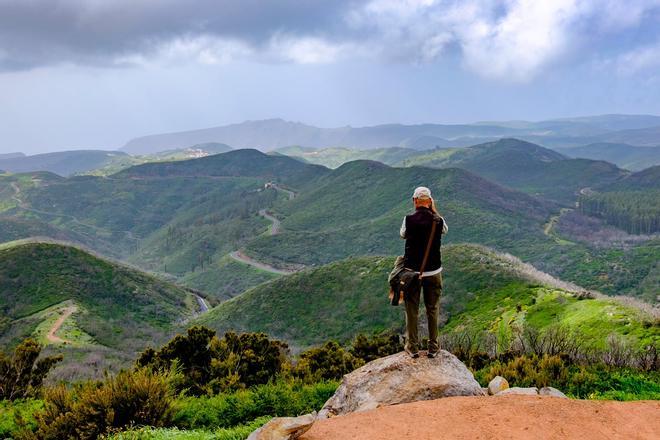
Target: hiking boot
point(432, 354)
point(412, 354)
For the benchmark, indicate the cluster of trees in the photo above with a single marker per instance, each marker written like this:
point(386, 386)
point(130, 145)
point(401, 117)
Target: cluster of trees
point(637, 212)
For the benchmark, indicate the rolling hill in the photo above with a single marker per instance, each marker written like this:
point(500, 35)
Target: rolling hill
point(64, 163)
point(110, 307)
point(623, 155)
point(335, 157)
point(484, 291)
point(527, 167)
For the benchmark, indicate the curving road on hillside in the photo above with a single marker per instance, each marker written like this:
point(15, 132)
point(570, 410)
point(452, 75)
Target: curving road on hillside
point(276, 225)
point(51, 335)
point(242, 258)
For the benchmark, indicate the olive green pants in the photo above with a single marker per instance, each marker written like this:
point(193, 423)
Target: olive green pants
point(431, 289)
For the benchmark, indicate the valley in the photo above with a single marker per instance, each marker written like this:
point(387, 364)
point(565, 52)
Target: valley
point(259, 237)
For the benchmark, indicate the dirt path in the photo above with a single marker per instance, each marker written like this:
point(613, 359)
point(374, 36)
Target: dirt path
point(276, 224)
point(51, 336)
point(242, 258)
point(507, 417)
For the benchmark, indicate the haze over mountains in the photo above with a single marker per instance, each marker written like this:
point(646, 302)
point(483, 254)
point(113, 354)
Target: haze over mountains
point(236, 224)
point(643, 130)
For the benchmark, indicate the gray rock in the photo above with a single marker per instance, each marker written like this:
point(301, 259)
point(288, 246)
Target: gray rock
point(554, 392)
point(284, 428)
point(400, 379)
point(497, 384)
point(533, 391)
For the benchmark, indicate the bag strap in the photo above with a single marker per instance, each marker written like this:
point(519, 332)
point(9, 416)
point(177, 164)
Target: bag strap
point(428, 249)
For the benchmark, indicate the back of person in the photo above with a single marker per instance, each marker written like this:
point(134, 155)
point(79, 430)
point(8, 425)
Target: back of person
point(417, 230)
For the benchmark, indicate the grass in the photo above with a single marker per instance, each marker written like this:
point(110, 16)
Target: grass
point(483, 292)
point(69, 331)
point(236, 433)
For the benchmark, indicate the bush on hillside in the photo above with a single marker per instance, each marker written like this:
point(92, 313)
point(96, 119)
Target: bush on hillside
point(278, 399)
point(22, 374)
point(131, 398)
point(530, 371)
point(211, 364)
point(328, 362)
point(376, 346)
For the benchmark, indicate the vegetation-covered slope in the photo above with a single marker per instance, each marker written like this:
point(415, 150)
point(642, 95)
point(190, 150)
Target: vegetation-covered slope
point(527, 167)
point(118, 307)
point(625, 156)
point(64, 163)
point(335, 157)
point(483, 291)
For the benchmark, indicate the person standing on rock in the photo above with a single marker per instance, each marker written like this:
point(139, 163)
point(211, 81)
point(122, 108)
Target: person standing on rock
point(416, 230)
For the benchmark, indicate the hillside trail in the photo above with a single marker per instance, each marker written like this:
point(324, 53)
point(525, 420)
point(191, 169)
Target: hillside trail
point(51, 336)
point(242, 258)
point(24, 206)
point(275, 228)
point(506, 417)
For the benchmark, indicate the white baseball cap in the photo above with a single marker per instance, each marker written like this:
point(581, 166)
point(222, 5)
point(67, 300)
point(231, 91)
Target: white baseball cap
point(422, 192)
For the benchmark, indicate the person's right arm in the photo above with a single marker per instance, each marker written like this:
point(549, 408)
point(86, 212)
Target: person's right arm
point(402, 231)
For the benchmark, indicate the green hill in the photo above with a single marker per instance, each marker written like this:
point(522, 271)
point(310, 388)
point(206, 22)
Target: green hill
point(623, 155)
point(358, 208)
point(527, 167)
point(238, 163)
point(335, 157)
point(484, 291)
point(64, 163)
point(117, 310)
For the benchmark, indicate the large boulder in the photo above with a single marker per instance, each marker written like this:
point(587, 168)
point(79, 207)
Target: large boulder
point(284, 428)
point(400, 379)
point(497, 384)
point(531, 391)
point(553, 392)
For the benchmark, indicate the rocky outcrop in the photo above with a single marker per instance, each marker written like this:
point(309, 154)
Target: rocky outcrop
point(554, 392)
point(284, 428)
point(401, 379)
point(497, 384)
point(532, 391)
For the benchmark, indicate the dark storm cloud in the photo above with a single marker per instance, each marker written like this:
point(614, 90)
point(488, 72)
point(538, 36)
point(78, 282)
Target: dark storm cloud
point(42, 32)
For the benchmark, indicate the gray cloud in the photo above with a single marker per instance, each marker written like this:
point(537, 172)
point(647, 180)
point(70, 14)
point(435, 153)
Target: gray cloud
point(513, 40)
point(35, 33)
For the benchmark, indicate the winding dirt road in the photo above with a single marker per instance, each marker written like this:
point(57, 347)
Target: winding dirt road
point(51, 336)
point(242, 258)
point(276, 225)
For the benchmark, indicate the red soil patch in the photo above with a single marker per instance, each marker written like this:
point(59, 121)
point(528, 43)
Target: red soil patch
point(504, 417)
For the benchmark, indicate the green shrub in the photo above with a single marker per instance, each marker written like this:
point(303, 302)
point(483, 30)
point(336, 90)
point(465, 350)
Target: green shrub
point(280, 399)
point(529, 371)
point(133, 398)
point(18, 415)
point(377, 346)
point(210, 364)
point(236, 433)
point(328, 362)
point(21, 375)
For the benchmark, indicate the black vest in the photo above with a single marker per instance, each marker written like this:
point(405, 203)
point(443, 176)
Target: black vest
point(418, 230)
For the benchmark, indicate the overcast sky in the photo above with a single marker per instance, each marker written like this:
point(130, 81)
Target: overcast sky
point(95, 73)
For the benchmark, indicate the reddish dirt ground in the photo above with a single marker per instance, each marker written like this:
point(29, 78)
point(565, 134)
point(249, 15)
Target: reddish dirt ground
point(505, 417)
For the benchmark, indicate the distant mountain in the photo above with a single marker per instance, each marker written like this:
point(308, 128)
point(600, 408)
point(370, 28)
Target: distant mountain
point(112, 307)
point(623, 155)
point(10, 155)
point(648, 178)
point(525, 166)
point(64, 163)
point(485, 291)
point(276, 133)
